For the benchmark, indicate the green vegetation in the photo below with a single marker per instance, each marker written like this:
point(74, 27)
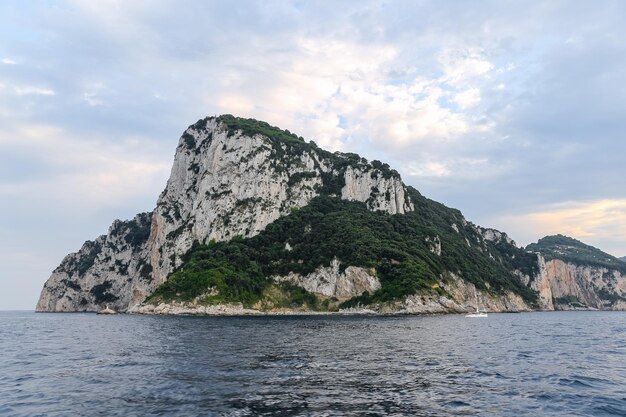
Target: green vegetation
point(101, 293)
point(251, 127)
point(86, 261)
point(145, 270)
point(289, 296)
point(71, 284)
point(397, 248)
point(136, 231)
point(190, 142)
point(570, 300)
point(611, 296)
point(576, 252)
point(394, 246)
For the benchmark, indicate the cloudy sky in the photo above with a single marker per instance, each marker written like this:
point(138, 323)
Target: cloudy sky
point(513, 112)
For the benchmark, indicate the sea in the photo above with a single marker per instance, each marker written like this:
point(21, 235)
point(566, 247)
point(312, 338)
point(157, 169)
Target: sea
point(527, 364)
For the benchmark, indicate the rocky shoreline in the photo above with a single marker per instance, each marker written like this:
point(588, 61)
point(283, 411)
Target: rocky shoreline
point(235, 309)
point(413, 305)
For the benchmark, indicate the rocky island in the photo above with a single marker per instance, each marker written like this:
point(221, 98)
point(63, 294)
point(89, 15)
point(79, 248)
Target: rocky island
point(255, 219)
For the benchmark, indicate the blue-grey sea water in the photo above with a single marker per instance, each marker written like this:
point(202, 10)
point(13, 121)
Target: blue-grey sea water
point(561, 364)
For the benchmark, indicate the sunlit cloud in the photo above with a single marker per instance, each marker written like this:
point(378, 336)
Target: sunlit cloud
point(429, 169)
point(590, 221)
point(235, 104)
point(468, 98)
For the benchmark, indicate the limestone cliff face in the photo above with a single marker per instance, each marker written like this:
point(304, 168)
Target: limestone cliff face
point(495, 236)
point(223, 183)
point(565, 285)
point(332, 282)
point(112, 270)
point(463, 297)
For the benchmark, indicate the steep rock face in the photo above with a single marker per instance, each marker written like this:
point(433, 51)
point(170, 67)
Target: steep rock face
point(332, 282)
point(574, 275)
point(565, 285)
point(495, 236)
point(224, 182)
point(381, 191)
point(542, 285)
point(463, 297)
point(112, 270)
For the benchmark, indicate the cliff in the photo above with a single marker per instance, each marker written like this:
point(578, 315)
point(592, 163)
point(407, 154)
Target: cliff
point(574, 275)
point(254, 218)
point(230, 177)
point(112, 270)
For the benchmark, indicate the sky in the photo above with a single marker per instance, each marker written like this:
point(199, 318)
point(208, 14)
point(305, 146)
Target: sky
point(513, 112)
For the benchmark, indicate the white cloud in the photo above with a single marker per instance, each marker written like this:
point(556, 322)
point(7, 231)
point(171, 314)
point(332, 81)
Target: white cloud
point(462, 65)
point(428, 169)
point(332, 78)
point(8, 61)
point(425, 166)
point(468, 98)
point(32, 90)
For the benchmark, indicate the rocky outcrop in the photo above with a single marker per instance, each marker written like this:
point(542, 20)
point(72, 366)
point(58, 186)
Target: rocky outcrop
point(223, 183)
point(380, 190)
point(332, 282)
point(462, 297)
point(565, 285)
point(495, 236)
point(112, 270)
point(233, 177)
point(190, 309)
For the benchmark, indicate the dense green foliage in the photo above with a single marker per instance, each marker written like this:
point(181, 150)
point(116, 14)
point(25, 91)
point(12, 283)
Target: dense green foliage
point(251, 127)
point(101, 293)
point(394, 246)
point(574, 251)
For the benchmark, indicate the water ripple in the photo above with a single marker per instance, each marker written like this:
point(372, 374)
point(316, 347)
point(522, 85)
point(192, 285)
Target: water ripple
point(561, 364)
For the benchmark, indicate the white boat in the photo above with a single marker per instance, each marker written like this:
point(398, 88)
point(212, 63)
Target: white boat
point(478, 313)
